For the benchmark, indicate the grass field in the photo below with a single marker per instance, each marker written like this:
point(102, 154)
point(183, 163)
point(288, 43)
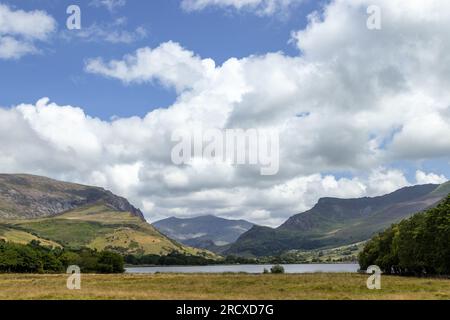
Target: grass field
point(221, 286)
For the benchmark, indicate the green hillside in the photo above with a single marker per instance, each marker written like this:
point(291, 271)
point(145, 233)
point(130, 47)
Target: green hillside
point(11, 234)
point(95, 226)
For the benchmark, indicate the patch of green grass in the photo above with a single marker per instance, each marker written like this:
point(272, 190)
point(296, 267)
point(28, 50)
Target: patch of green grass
point(67, 232)
point(100, 213)
point(348, 253)
point(23, 237)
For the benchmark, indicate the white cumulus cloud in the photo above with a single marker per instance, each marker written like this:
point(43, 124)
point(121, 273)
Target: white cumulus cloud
point(20, 30)
point(425, 178)
point(169, 63)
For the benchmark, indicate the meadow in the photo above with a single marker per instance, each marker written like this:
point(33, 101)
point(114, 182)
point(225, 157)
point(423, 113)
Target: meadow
point(322, 286)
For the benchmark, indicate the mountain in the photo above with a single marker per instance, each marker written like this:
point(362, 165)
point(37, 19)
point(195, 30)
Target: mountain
point(62, 214)
point(208, 232)
point(336, 222)
point(29, 197)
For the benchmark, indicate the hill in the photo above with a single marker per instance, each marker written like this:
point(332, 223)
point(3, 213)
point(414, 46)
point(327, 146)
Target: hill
point(336, 222)
point(28, 197)
point(71, 215)
point(208, 232)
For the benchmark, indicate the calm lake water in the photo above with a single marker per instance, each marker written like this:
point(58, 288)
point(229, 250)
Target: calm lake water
point(249, 268)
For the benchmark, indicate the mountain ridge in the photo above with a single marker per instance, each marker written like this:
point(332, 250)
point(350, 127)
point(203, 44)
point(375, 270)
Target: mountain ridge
point(335, 222)
point(357, 207)
point(31, 196)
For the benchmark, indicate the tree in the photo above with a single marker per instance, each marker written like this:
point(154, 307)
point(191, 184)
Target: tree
point(34, 258)
point(110, 262)
point(415, 246)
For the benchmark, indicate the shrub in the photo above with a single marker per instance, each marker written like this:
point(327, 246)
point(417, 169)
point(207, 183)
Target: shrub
point(277, 269)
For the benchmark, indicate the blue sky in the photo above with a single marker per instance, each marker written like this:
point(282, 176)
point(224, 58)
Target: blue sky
point(212, 33)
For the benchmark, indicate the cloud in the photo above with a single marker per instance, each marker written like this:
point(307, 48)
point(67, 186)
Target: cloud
point(19, 30)
point(112, 32)
point(111, 5)
point(383, 181)
point(169, 63)
point(10, 48)
point(260, 7)
point(424, 178)
point(348, 107)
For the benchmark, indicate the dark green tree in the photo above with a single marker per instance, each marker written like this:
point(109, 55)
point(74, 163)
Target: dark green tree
point(417, 246)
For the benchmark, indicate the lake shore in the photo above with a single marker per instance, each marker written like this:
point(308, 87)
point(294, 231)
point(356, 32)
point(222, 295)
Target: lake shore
point(322, 286)
point(247, 268)
point(235, 264)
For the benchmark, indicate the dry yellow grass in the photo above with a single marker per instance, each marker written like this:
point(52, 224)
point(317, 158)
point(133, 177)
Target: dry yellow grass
point(221, 286)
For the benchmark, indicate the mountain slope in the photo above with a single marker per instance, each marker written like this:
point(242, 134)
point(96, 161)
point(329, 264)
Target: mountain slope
point(335, 222)
point(27, 197)
point(209, 232)
point(330, 212)
point(71, 215)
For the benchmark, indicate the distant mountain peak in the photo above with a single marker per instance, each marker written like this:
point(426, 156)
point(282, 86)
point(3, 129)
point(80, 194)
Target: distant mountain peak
point(207, 231)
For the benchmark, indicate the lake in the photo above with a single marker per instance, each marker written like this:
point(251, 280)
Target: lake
point(249, 268)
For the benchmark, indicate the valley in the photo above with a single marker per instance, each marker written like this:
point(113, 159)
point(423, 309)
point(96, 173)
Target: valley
point(66, 215)
point(208, 232)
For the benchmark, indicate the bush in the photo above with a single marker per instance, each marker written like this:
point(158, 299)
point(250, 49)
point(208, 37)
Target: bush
point(277, 269)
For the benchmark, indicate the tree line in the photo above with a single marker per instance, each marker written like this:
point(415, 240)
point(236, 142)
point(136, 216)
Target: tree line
point(34, 258)
point(179, 259)
point(418, 246)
